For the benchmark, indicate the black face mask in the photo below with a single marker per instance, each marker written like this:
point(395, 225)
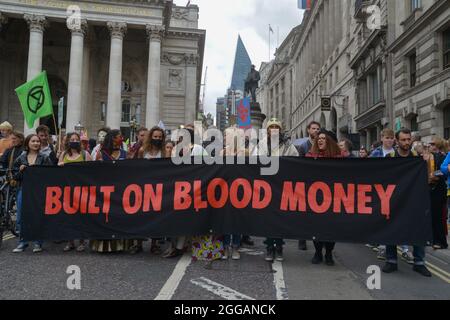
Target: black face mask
point(75, 145)
point(157, 143)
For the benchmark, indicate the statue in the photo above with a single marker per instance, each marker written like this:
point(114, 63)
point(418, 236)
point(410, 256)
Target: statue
point(251, 84)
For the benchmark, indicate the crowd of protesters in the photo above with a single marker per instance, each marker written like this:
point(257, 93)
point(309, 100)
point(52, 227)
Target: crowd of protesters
point(18, 152)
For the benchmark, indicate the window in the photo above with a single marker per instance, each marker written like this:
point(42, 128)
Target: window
point(412, 70)
point(414, 125)
point(447, 122)
point(126, 108)
point(362, 96)
point(446, 41)
point(374, 87)
point(103, 111)
point(414, 4)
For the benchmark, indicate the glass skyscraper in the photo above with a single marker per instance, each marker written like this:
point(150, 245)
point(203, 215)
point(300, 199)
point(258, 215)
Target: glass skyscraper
point(242, 66)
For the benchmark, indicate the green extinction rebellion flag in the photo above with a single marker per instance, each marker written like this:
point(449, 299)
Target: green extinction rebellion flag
point(35, 99)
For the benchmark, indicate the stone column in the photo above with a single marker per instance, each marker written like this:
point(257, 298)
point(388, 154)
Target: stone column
point(113, 111)
point(75, 76)
point(190, 106)
point(36, 24)
point(153, 115)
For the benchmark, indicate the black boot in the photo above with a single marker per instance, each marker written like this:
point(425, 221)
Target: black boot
point(390, 267)
point(318, 258)
point(270, 254)
point(302, 245)
point(329, 258)
point(422, 270)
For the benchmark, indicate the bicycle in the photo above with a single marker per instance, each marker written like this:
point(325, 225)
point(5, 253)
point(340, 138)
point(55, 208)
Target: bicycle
point(8, 208)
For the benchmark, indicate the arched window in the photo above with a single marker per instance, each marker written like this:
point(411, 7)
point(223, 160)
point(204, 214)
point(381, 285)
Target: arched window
point(447, 122)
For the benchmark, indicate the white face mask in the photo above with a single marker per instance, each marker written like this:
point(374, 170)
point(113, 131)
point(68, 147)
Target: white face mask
point(101, 136)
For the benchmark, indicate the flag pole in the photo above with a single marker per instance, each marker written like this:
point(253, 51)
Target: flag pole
point(269, 43)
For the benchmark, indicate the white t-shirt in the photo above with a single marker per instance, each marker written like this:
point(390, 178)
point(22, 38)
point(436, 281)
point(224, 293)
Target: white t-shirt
point(386, 152)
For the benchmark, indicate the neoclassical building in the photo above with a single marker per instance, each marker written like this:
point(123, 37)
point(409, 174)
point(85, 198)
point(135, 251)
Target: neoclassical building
point(116, 62)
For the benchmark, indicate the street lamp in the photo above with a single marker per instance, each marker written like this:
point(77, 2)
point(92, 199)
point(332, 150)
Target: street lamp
point(133, 125)
point(79, 128)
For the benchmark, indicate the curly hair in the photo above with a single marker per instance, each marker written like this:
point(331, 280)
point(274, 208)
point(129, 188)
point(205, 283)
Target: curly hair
point(332, 148)
point(147, 146)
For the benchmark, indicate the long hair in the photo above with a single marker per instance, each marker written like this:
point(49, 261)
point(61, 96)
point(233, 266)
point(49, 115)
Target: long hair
point(147, 146)
point(108, 144)
point(332, 149)
point(67, 148)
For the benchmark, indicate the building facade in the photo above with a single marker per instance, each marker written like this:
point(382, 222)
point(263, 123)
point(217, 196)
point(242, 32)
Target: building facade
point(381, 64)
point(112, 61)
point(421, 67)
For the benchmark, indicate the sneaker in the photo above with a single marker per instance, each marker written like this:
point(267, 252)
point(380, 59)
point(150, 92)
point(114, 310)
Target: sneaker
point(422, 270)
point(270, 254)
point(20, 248)
point(370, 246)
point(226, 254)
point(329, 259)
point(302, 245)
point(279, 254)
point(408, 257)
point(317, 259)
point(69, 247)
point(82, 247)
point(381, 254)
point(37, 248)
point(235, 255)
point(390, 267)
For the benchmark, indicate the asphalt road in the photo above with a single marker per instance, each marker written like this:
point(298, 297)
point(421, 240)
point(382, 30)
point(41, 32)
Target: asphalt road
point(148, 277)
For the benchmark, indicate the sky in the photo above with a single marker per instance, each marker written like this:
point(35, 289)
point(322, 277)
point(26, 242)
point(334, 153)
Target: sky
point(224, 20)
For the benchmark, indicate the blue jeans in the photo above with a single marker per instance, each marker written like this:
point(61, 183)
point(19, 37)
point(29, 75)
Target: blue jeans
point(418, 253)
point(236, 242)
point(19, 218)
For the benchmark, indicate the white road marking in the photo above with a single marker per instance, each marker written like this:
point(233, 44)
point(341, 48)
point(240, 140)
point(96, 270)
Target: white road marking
point(251, 252)
point(278, 280)
point(219, 289)
point(175, 278)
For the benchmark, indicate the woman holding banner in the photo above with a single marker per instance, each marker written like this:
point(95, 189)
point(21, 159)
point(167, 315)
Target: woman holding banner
point(111, 150)
point(30, 157)
point(73, 153)
point(152, 148)
point(325, 146)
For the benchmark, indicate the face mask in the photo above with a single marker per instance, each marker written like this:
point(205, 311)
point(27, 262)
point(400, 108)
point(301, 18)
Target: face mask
point(75, 145)
point(101, 136)
point(157, 143)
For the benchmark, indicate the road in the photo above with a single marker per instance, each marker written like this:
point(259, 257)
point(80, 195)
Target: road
point(148, 277)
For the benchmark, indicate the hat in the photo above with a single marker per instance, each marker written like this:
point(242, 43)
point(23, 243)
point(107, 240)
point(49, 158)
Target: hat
point(274, 122)
point(6, 125)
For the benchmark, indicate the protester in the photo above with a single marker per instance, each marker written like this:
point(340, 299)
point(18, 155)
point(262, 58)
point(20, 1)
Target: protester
point(404, 141)
point(133, 152)
point(73, 153)
point(346, 147)
point(202, 246)
point(5, 142)
point(11, 154)
point(47, 148)
point(168, 148)
point(152, 148)
point(101, 134)
point(387, 147)
point(313, 129)
point(84, 140)
point(387, 144)
point(30, 157)
point(232, 242)
point(274, 246)
point(438, 192)
point(363, 153)
point(325, 146)
point(111, 150)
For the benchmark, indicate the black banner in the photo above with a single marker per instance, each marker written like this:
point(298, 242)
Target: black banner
point(382, 201)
